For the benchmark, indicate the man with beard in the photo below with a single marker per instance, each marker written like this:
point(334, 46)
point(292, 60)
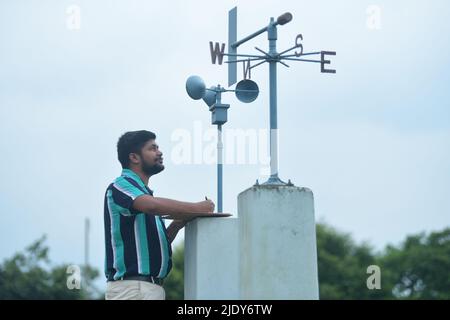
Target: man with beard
point(138, 245)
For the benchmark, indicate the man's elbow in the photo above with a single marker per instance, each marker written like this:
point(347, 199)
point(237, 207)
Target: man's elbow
point(146, 204)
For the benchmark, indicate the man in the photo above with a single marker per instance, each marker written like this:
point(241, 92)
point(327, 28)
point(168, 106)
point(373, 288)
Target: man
point(138, 245)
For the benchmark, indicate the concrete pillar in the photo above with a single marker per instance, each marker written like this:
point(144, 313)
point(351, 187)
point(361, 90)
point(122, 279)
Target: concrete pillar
point(211, 259)
point(277, 235)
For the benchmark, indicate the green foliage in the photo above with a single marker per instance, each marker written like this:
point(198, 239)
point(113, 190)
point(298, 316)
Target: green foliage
point(174, 283)
point(29, 275)
point(343, 266)
point(420, 267)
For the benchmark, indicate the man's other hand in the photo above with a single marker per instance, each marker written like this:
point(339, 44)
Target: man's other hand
point(206, 206)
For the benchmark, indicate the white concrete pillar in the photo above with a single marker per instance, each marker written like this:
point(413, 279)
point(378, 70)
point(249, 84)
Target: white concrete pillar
point(211, 259)
point(277, 235)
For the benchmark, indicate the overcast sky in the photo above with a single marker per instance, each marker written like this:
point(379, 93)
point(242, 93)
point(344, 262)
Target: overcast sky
point(371, 141)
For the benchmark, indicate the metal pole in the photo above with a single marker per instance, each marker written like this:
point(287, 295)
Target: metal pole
point(238, 43)
point(272, 36)
point(219, 168)
point(86, 242)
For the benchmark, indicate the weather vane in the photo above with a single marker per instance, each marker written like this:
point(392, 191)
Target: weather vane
point(272, 57)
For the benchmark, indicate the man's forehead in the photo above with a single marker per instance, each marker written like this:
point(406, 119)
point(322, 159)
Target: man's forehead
point(151, 143)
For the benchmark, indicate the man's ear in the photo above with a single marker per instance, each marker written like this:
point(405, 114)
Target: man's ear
point(134, 158)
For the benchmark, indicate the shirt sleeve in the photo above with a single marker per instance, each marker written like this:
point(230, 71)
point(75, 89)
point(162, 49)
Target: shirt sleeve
point(124, 193)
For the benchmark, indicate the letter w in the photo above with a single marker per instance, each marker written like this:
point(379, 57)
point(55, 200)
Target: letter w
point(216, 51)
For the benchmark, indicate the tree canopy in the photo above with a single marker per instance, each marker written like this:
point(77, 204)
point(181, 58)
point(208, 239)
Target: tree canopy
point(29, 275)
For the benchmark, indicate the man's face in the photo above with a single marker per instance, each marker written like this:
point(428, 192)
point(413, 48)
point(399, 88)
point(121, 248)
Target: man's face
point(151, 158)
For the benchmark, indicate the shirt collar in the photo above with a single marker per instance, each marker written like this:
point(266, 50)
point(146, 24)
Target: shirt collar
point(133, 175)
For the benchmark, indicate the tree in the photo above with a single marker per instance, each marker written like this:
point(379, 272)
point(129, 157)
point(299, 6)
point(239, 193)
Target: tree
point(420, 267)
point(29, 275)
point(342, 266)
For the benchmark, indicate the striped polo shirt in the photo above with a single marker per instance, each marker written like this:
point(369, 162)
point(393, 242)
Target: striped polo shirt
point(136, 243)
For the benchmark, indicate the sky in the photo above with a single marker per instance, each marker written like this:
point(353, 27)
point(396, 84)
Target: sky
point(371, 141)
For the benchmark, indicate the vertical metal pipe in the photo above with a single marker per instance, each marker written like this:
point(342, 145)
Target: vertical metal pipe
point(219, 168)
point(86, 242)
point(272, 37)
point(273, 120)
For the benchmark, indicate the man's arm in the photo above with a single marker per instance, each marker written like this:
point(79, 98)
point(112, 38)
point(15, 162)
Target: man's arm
point(173, 229)
point(163, 206)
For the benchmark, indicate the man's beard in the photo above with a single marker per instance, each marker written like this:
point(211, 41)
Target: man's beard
point(152, 169)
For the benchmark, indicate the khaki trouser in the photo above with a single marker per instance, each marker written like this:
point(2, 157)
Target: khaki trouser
point(134, 290)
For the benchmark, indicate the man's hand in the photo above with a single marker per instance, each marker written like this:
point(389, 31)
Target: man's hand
point(174, 227)
point(180, 224)
point(206, 206)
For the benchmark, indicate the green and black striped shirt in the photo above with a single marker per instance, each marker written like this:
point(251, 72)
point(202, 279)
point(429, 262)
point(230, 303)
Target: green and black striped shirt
point(136, 243)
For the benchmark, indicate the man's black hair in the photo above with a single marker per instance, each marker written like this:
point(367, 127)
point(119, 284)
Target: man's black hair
point(132, 142)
